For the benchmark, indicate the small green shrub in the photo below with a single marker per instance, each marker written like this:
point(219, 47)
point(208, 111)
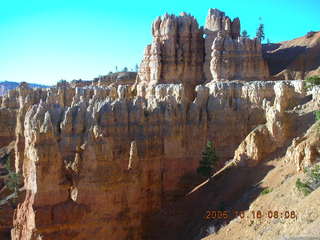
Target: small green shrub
point(12, 184)
point(314, 174)
point(310, 82)
point(303, 187)
point(208, 161)
point(312, 181)
point(266, 191)
point(13, 179)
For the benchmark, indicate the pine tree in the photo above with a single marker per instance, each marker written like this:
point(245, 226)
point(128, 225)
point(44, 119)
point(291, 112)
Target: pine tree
point(208, 161)
point(12, 181)
point(260, 32)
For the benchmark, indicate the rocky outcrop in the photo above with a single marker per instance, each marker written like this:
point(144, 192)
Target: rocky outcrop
point(216, 22)
point(176, 52)
point(304, 151)
point(237, 59)
point(116, 79)
point(269, 143)
point(284, 124)
point(7, 126)
point(180, 54)
point(6, 202)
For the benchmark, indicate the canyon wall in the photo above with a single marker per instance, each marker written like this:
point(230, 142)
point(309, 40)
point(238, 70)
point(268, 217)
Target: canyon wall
point(237, 59)
point(96, 160)
point(8, 113)
point(99, 159)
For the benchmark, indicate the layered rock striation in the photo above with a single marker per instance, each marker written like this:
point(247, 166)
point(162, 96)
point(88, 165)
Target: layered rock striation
point(229, 56)
point(217, 22)
point(176, 52)
point(237, 59)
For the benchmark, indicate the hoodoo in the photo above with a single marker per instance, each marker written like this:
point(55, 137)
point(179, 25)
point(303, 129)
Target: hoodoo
point(116, 159)
point(182, 52)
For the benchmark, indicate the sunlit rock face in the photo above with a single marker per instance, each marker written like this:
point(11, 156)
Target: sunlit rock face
point(96, 160)
point(237, 59)
point(182, 52)
point(216, 22)
point(289, 122)
point(176, 53)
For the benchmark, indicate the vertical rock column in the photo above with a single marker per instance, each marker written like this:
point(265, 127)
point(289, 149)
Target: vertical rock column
point(237, 59)
point(176, 53)
point(42, 174)
point(216, 22)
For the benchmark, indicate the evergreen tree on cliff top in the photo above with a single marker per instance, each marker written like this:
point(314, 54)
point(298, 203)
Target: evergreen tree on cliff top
point(208, 161)
point(260, 31)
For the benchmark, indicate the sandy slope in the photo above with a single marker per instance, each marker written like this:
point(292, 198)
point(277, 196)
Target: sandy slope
point(295, 59)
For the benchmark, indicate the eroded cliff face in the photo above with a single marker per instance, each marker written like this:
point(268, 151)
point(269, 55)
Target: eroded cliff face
point(280, 126)
point(182, 52)
point(234, 59)
point(217, 22)
point(176, 53)
point(7, 123)
point(8, 116)
point(287, 145)
point(99, 161)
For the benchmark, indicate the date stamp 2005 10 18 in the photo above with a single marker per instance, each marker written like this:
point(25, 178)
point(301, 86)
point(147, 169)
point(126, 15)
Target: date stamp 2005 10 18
point(213, 214)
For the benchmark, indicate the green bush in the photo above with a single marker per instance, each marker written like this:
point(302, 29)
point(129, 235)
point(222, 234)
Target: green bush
point(312, 181)
point(208, 161)
point(303, 187)
point(314, 174)
point(12, 179)
point(266, 191)
point(310, 82)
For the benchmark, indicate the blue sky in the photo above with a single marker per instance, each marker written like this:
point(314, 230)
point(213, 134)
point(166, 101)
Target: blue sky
point(43, 41)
